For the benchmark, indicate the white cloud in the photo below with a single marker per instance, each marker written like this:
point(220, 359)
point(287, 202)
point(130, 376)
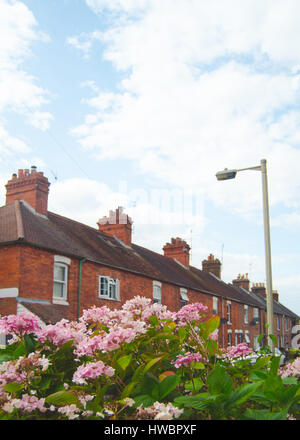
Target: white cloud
point(208, 85)
point(19, 91)
point(84, 42)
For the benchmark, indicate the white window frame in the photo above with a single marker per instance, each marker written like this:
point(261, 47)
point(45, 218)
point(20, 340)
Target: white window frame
point(228, 309)
point(111, 282)
point(256, 344)
point(64, 283)
point(236, 337)
point(246, 314)
point(229, 338)
point(256, 314)
point(215, 305)
point(184, 299)
point(247, 337)
point(157, 292)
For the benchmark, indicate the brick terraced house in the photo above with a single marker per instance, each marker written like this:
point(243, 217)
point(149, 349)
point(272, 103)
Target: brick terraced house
point(56, 267)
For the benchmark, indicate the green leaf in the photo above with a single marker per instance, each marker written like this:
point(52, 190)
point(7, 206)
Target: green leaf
point(6, 357)
point(242, 394)
point(290, 380)
point(263, 414)
point(143, 399)
point(275, 365)
point(194, 385)
point(128, 389)
point(219, 382)
point(153, 320)
point(13, 387)
point(62, 398)
point(124, 361)
point(168, 385)
point(151, 363)
point(262, 361)
point(30, 343)
point(201, 401)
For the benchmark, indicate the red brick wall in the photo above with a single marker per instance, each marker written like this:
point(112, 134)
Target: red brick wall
point(31, 270)
point(9, 276)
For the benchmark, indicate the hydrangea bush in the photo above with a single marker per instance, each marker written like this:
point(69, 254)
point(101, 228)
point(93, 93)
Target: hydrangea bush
point(141, 362)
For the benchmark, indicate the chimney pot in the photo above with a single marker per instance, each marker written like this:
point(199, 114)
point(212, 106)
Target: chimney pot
point(118, 224)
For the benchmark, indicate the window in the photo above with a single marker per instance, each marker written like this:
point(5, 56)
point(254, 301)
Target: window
point(245, 314)
point(215, 305)
point(247, 339)
point(278, 322)
point(229, 338)
point(256, 344)
point(60, 279)
point(60, 282)
point(236, 337)
point(228, 312)
point(157, 292)
point(109, 288)
point(183, 297)
point(255, 315)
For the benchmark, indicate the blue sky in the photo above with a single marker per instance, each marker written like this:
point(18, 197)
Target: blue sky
point(139, 103)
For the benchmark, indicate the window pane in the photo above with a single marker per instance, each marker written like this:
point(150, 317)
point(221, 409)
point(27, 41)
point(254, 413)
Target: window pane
point(59, 273)
point(103, 286)
point(112, 291)
point(58, 290)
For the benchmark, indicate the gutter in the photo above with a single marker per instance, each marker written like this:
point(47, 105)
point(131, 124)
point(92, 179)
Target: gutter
point(79, 286)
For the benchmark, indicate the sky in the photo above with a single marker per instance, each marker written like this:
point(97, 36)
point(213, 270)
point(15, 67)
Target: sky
point(138, 103)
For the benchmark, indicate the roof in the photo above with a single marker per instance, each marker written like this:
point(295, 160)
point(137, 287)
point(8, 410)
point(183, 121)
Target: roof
point(19, 223)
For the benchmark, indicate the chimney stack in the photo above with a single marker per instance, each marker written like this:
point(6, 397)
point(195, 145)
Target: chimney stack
point(275, 295)
point(259, 288)
point(118, 224)
point(30, 186)
point(242, 281)
point(179, 250)
point(212, 265)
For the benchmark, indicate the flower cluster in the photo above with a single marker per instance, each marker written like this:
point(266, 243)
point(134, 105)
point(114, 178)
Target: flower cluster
point(61, 332)
point(22, 369)
point(159, 411)
point(27, 404)
point(24, 323)
point(188, 359)
point(90, 371)
point(239, 350)
point(291, 369)
point(189, 313)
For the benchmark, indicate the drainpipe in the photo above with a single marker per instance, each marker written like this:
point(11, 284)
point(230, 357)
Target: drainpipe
point(79, 285)
point(223, 341)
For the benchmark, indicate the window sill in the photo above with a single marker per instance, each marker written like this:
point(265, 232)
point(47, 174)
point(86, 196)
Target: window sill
point(109, 299)
point(61, 302)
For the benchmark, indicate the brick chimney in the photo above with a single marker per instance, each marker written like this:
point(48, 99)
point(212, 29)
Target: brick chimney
point(275, 295)
point(30, 186)
point(242, 281)
point(259, 288)
point(179, 250)
point(118, 224)
point(212, 265)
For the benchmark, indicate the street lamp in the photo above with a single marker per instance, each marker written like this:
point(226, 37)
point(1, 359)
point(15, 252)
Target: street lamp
point(230, 174)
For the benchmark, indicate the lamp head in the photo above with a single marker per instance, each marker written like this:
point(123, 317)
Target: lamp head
point(226, 174)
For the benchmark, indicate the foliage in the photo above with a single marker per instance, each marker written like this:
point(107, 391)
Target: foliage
point(140, 362)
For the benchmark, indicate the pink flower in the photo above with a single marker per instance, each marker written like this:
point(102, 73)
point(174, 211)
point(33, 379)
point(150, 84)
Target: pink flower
point(20, 325)
point(158, 411)
point(187, 359)
point(190, 312)
point(91, 370)
point(239, 350)
point(27, 403)
point(291, 370)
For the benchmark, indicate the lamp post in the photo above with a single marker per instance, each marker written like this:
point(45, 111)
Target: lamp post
point(230, 174)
